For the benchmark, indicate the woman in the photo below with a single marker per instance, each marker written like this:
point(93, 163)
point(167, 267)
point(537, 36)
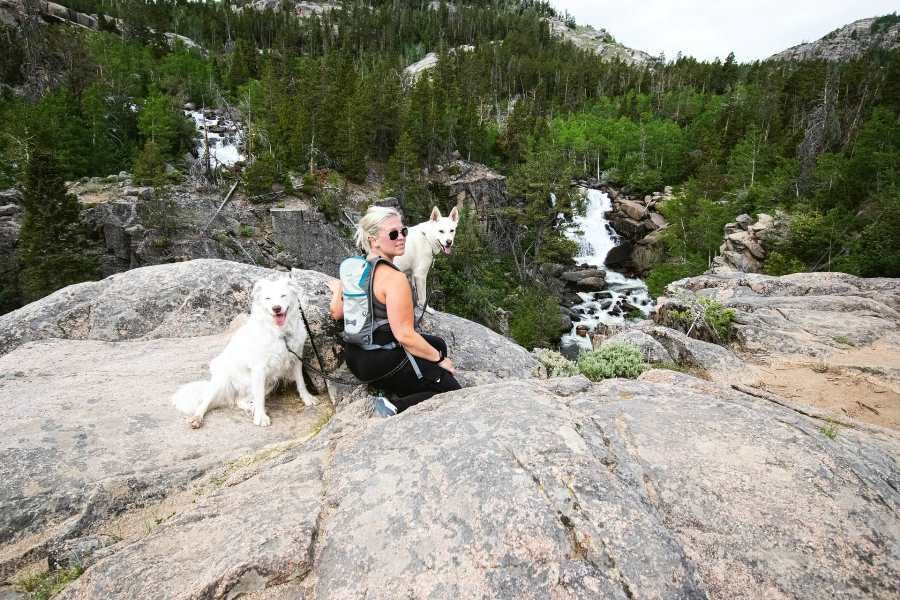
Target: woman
point(381, 234)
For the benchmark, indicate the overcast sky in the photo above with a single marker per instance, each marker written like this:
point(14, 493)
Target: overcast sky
point(710, 28)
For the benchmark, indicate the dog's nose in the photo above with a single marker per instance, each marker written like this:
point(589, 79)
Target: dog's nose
point(276, 309)
point(449, 243)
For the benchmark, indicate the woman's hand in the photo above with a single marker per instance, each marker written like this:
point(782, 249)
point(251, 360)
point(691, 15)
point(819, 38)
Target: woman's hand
point(447, 366)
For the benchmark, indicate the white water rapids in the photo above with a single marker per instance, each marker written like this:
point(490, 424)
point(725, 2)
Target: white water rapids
point(224, 148)
point(596, 238)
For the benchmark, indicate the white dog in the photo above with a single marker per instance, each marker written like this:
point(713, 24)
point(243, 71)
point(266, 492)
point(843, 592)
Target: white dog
point(424, 242)
point(255, 359)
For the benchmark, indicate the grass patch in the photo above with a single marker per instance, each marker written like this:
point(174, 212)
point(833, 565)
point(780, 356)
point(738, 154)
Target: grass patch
point(45, 585)
point(830, 429)
point(323, 420)
point(161, 243)
point(247, 231)
point(842, 339)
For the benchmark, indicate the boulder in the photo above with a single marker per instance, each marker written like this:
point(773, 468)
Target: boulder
point(647, 252)
point(633, 209)
point(98, 363)
point(803, 313)
point(581, 274)
point(10, 196)
point(720, 363)
point(652, 350)
point(667, 487)
point(620, 256)
point(629, 228)
point(186, 299)
point(306, 234)
point(591, 284)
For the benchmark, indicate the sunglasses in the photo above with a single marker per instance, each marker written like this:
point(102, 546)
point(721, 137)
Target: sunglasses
point(395, 233)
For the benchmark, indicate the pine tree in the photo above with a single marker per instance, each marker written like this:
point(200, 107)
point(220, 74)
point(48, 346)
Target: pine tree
point(403, 179)
point(53, 245)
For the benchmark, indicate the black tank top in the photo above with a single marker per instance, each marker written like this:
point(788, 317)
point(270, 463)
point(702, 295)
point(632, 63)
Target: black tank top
point(379, 312)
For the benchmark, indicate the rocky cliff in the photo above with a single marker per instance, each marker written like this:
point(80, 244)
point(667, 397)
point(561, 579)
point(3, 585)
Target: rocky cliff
point(668, 486)
point(600, 42)
point(849, 41)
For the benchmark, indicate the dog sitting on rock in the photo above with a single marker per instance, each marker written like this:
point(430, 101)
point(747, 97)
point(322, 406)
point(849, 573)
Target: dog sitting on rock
point(255, 359)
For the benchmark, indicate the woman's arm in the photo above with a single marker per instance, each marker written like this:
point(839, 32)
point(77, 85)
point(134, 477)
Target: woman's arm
point(398, 299)
point(337, 299)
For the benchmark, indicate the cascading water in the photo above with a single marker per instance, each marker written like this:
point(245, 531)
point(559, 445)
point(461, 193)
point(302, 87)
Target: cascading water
point(224, 137)
point(622, 294)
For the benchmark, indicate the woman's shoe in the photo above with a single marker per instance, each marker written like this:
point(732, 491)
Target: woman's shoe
point(382, 407)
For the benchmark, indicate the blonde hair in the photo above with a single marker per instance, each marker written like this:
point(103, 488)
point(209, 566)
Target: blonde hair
point(369, 224)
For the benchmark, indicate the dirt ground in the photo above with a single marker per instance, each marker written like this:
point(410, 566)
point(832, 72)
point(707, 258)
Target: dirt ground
point(861, 383)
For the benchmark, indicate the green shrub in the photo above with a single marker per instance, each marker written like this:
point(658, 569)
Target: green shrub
point(665, 273)
point(247, 231)
point(556, 364)
point(329, 204)
point(161, 243)
point(149, 165)
point(310, 184)
point(703, 319)
point(42, 586)
point(534, 318)
point(779, 264)
point(261, 175)
point(613, 360)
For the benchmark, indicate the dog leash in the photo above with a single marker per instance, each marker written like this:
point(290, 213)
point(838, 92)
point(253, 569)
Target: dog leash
point(321, 369)
point(345, 381)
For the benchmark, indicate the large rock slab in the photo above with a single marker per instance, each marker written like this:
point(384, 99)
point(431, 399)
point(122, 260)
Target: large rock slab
point(810, 314)
point(202, 297)
point(96, 364)
point(248, 536)
point(677, 488)
point(89, 430)
point(184, 299)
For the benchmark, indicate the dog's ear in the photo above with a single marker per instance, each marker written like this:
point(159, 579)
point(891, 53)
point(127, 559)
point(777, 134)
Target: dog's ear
point(454, 214)
point(435, 214)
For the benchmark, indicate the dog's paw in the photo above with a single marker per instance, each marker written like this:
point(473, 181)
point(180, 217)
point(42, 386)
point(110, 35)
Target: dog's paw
point(262, 420)
point(196, 422)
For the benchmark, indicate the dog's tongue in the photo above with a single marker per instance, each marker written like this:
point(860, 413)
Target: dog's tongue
point(280, 319)
point(446, 249)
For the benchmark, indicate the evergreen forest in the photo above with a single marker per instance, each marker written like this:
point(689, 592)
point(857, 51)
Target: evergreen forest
point(815, 141)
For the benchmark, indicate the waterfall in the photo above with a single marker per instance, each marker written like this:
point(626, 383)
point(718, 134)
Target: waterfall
point(596, 238)
point(224, 137)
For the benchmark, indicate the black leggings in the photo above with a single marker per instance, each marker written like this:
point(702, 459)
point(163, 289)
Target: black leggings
point(409, 389)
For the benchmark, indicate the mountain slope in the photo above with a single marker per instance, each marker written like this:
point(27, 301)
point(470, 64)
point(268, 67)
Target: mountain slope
point(849, 41)
point(600, 42)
